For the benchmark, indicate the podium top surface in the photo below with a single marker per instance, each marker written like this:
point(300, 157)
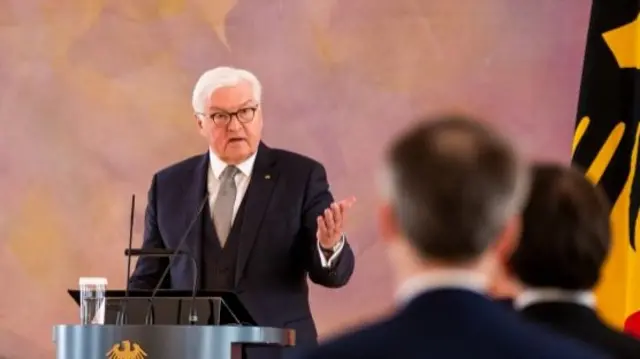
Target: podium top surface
point(227, 296)
point(230, 299)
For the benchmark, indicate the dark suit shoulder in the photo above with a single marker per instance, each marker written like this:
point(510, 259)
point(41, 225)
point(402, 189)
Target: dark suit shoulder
point(618, 344)
point(584, 324)
point(180, 168)
point(294, 159)
point(562, 346)
point(392, 339)
point(434, 324)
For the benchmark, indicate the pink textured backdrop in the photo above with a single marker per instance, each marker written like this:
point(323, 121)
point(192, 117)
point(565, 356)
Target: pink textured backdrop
point(95, 97)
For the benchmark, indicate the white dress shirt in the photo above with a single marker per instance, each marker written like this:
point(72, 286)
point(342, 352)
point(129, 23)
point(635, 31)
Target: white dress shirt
point(441, 279)
point(242, 179)
point(541, 295)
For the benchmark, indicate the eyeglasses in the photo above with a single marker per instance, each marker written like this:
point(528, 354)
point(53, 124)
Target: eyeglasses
point(244, 115)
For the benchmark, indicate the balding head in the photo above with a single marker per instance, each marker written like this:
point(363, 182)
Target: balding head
point(453, 184)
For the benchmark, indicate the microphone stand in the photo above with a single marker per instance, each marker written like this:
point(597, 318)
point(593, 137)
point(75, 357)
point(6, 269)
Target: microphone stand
point(193, 317)
point(122, 315)
point(193, 314)
point(168, 253)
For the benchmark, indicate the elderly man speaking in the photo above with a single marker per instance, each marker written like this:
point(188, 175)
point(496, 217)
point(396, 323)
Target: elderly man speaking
point(270, 221)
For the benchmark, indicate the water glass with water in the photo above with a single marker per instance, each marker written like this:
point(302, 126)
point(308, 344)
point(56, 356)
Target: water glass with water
point(93, 291)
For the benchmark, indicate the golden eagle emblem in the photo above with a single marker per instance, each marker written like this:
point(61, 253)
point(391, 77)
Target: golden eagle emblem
point(126, 350)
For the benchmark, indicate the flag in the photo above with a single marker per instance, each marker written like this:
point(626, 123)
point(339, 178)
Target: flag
point(606, 145)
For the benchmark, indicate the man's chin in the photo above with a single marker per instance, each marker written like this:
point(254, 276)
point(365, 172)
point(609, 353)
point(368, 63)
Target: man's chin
point(237, 153)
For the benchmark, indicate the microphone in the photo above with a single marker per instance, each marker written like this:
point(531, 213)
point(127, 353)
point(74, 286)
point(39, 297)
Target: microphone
point(193, 317)
point(122, 315)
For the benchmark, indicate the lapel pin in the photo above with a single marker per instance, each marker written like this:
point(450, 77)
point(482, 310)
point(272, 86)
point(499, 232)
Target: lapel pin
point(267, 176)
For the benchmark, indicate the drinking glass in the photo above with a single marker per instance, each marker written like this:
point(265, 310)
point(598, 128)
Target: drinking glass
point(93, 292)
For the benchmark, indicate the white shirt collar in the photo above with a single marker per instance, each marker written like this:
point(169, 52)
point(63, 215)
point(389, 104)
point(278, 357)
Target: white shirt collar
point(217, 165)
point(541, 295)
point(441, 279)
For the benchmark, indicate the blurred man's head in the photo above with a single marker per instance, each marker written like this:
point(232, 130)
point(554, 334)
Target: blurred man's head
point(452, 195)
point(566, 231)
point(226, 103)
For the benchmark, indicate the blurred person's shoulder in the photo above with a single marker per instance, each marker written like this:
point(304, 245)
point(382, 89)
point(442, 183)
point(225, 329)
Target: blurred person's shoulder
point(391, 339)
point(551, 344)
point(371, 342)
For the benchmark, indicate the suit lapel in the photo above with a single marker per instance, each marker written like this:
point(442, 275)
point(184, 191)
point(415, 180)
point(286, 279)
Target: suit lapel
point(193, 195)
point(257, 197)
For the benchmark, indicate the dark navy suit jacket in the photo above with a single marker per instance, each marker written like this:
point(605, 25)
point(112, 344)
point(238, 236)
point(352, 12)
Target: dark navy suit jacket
point(583, 323)
point(278, 245)
point(453, 324)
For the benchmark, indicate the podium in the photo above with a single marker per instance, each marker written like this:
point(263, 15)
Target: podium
point(163, 341)
point(223, 328)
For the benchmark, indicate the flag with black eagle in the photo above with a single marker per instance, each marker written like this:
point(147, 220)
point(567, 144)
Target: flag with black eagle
point(605, 144)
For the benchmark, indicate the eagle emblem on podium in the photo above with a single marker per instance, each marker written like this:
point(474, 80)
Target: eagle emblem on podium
point(126, 350)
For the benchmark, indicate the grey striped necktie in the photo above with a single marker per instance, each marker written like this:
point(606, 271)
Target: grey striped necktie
point(223, 207)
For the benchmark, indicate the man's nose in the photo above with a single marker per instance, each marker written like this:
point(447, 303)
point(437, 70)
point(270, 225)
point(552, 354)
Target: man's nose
point(234, 124)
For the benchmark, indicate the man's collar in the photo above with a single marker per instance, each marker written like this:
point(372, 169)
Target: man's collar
point(544, 295)
point(441, 279)
point(217, 165)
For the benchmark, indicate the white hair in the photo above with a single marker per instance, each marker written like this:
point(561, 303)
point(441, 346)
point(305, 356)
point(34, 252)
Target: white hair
point(220, 77)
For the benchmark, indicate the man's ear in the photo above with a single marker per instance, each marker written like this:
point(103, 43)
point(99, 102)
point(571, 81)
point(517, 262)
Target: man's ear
point(502, 282)
point(198, 121)
point(508, 239)
point(388, 222)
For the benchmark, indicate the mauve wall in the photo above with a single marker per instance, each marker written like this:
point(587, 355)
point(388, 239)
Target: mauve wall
point(95, 97)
